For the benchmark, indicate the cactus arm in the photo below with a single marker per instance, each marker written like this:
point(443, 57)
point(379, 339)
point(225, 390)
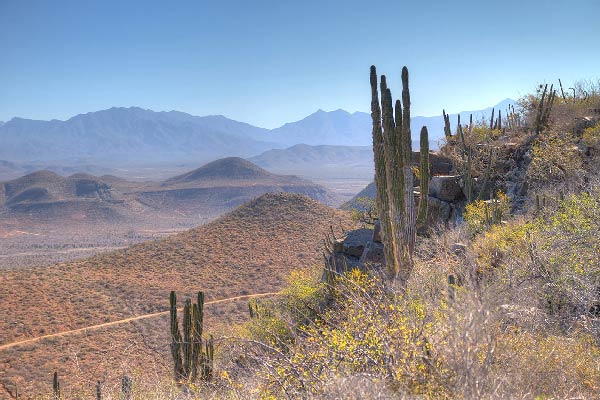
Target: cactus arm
point(425, 175)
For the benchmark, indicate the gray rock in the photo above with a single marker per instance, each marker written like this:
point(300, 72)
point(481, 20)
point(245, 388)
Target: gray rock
point(445, 187)
point(377, 232)
point(584, 123)
point(355, 241)
point(373, 253)
point(338, 246)
point(438, 210)
point(342, 263)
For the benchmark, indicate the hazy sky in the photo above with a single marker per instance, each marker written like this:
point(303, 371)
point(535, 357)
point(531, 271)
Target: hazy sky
point(270, 62)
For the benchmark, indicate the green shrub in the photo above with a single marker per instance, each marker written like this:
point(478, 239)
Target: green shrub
point(556, 159)
point(482, 215)
point(591, 137)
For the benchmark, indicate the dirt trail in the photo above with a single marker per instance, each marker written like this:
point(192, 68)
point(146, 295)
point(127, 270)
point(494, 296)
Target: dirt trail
point(123, 321)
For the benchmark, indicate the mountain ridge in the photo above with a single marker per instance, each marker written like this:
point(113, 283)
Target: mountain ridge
point(126, 135)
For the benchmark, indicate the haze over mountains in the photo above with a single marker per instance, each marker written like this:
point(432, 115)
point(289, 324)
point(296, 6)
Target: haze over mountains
point(205, 192)
point(97, 142)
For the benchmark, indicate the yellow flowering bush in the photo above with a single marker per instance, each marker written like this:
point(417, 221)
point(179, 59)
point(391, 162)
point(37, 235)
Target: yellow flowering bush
point(481, 215)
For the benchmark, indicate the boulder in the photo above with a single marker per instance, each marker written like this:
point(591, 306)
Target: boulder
point(438, 164)
point(437, 210)
point(355, 241)
point(338, 246)
point(342, 263)
point(583, 123)
point(373, 253)
point(446, 188)
point(377, 232)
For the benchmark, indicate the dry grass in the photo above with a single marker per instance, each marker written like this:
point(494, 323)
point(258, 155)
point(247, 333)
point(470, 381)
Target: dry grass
point(247, 251)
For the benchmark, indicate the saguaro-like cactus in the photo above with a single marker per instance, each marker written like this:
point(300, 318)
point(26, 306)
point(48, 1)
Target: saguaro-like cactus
point(447, 130)
point(55, 387)
point(175, 339)
point(425, 175)
point(126, 387)
point(544, 108)
point(189, 358)
point(392, 148)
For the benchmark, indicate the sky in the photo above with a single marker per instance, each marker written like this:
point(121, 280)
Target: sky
point(272, 62)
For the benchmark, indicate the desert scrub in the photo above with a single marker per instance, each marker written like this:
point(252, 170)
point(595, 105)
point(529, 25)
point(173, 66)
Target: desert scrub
point(366, 330)
point(302, 296)
point(555, 255)
point(556, 159)
point(276, 323)
point(365, 211)
point(501, 242)
point(568, 253)
point(549, 366)
point(591, 137)
point(481, 215)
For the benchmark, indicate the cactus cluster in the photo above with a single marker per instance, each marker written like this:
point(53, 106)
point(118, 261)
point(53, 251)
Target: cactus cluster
point(544, 108)
point(190, 359)
point(392, 148)
point(513, 120)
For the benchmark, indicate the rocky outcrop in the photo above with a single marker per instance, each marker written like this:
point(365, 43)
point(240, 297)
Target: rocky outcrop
point(446, 188)
point(356, 249)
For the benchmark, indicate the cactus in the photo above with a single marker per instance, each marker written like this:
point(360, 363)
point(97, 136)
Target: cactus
point(447, 130)
point(175, 339)
point(381, 197)
point(451, 288)
point(126, 387)
point(499, 120)
point(188, 355)
point(55, 387)
point(392, 148)
point(425, 175)
point(544, 108)
point(207, 363)
point(562, 91)
point(469, 175)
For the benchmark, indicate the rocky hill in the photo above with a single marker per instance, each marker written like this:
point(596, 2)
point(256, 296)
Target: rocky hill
point(45, 194)
point(208, 191)
point(222, 185)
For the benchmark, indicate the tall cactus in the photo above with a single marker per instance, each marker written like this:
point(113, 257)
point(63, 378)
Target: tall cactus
point(126, 387)
point(447, 130)
point(55, 387)
point(175, 339)
point(381, 197)
point(425, 175)
point(392, 148)
point(189, 358)
point(544, 108)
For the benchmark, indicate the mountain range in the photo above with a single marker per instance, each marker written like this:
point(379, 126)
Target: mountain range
point(135, 136)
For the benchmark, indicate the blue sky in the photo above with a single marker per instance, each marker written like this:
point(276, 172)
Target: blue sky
point(271, 62)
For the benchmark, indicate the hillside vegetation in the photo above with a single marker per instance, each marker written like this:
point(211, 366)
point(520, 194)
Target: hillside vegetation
point(502, 300)
point(247, 251)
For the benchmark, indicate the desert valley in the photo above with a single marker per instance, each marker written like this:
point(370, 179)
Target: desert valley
point(178, 223)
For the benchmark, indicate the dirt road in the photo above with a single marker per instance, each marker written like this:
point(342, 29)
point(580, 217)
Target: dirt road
point(122, 321)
